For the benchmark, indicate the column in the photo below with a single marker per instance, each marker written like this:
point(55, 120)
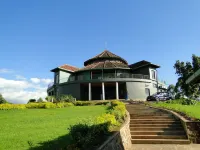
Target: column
point(103, 91)
point(117, 91)
point(90, 95)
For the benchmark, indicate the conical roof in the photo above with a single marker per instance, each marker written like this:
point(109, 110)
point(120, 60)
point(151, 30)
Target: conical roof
point(105, 55)
point(105, 60)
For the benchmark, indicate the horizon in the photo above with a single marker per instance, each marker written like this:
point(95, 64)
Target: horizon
point(36, 37)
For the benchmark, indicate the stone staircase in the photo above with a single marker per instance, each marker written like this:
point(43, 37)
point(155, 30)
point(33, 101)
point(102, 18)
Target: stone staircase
point(153, 126)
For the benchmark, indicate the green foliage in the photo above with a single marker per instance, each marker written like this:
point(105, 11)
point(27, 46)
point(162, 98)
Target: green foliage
point(40, 100)
point(32, 101)
point(189, 110)
point(86, 136)
point(50, 98)
point(66, 98)
point(42, 129)
point(107, 118)
point(182, 101)
point(49, 105)
point(62, 105)
point(90, 103)
point(2, 100)
point(184, 70)
point(12, 106)
point(171, 89)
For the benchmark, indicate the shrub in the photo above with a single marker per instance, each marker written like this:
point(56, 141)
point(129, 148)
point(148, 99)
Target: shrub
point(68, 104)
point(182, 101)
point(49, 105)
point(66, 98)
point(87, 136)
point(107, 118)
point(12, 106)
point(83, 103)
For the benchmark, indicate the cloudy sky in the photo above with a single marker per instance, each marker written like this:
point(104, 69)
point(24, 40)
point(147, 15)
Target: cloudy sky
point(20, 89)
point(39, 35)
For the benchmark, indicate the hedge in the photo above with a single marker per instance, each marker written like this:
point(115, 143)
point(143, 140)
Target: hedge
point(91, 133)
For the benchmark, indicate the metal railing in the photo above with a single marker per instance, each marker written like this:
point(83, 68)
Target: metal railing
point(99, 77)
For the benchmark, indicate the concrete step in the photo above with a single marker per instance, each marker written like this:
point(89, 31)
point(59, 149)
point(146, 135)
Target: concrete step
point(159, 137)
point(151, 115)
point(154, 122)
point(160, 141)
point(150, 119)
point(159, 132)
point(156, 128)
point(156, 125)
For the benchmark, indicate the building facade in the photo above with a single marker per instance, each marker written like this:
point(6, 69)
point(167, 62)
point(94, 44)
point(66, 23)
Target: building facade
point(106, 76)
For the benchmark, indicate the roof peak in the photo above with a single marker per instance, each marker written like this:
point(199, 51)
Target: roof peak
point(106, 54)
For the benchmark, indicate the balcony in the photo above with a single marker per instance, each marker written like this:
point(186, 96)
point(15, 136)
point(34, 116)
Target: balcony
point(106, 76)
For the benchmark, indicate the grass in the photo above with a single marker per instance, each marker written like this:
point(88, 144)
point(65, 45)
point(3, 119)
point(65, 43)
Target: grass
point(192, 111)
point(23, 129)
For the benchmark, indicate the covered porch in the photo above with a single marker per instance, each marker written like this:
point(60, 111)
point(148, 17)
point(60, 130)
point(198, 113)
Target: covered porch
point(103, 91)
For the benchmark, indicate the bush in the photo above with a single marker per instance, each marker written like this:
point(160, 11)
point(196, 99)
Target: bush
point(12, 106)
point(87, 136)
point(182, 101)
point(68, 104)
point(92, 133)
point(49, 105)
point(66, 98)
point(107, 118)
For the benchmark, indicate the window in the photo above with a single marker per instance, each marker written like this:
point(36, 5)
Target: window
point(57, 79)
point(153, 74)
point(147, 91)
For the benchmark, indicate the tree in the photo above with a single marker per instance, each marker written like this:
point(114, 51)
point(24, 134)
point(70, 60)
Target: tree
point(171, 89)
point(2, 100)
point(184, 70)
point(40, 100)
point(32, 101)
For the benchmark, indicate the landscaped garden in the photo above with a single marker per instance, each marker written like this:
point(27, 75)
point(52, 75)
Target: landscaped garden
point(59, 126)
point(186, 107)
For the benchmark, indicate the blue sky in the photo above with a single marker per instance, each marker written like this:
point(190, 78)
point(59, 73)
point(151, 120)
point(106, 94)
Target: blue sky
point(36, 36)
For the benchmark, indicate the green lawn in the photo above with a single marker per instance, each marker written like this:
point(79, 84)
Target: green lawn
point(23, 129)
point(192, 111)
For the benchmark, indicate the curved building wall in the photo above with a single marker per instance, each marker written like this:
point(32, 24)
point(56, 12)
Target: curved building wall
point(140, 90)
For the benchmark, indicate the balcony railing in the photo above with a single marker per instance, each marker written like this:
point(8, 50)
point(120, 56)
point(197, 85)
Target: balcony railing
point(105, 76)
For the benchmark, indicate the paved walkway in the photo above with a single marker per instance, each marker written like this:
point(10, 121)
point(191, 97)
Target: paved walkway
point(165, 147)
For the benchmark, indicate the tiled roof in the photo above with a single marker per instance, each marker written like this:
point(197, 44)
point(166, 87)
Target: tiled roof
point(142, 63)
point(105, 55)
point(69, 68)
point(66, 67)
point(105, 64)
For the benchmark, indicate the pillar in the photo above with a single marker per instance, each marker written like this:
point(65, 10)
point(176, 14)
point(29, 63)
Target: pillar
point(117, 91)
point(90, 94)
point(103, 91)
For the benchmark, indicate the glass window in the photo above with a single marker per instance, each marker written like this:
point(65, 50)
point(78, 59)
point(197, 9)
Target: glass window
point(57, 81)
point(153, 74)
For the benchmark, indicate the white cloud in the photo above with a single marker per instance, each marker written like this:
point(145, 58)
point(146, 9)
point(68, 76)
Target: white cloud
point(44, 81)
point(19, 77)
point(20, 91)
point(3, 70)
point(35, 80)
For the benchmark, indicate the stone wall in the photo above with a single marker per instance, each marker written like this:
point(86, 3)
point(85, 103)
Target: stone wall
point(121, 140)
